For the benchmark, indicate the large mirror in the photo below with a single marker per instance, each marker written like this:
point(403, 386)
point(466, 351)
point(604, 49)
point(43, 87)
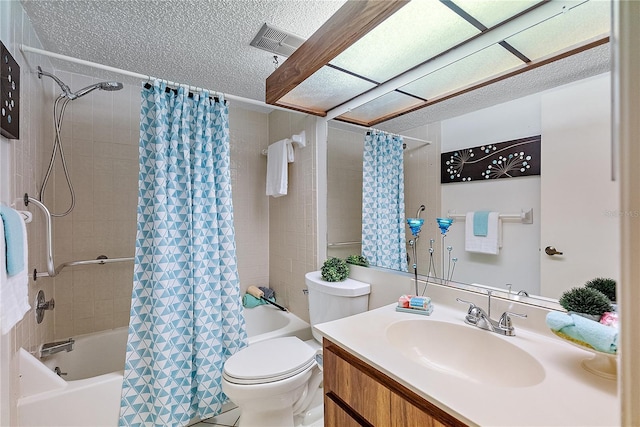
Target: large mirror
point(572, 206)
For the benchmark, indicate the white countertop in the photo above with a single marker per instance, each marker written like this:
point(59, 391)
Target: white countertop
point(567, 396)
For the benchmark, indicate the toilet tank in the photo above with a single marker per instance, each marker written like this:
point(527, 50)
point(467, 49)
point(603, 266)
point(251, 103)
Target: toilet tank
point(334, 300)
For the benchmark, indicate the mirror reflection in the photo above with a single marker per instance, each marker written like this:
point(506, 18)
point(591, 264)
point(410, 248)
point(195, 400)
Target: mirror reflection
point(573, 235)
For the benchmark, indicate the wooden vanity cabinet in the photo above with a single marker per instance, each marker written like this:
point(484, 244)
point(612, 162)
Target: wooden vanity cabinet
point(356, 394)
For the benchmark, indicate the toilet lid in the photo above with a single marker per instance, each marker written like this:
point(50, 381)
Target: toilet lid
point(270, 360)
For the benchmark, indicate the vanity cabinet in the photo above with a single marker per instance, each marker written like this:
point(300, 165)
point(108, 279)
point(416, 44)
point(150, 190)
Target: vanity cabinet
point(356, 394)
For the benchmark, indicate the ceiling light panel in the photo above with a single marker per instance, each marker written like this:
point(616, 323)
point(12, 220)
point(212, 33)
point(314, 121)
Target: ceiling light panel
point(420, 30)
point(472, 69)
point(382, 106)
point(325, 89)
point(581, 22)
point(492, 12)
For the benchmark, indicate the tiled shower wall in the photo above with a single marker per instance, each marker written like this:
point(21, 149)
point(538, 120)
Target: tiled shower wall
point(100, 137)
point(20, 170)
point(344, 192)
point(293, 218)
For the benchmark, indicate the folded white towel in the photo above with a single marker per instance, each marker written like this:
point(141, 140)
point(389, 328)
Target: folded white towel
point(279, 154)
point(14, 290)
point(489, 244)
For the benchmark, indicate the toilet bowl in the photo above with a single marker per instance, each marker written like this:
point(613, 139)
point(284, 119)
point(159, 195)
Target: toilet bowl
point(275, 380)
point(271, 381)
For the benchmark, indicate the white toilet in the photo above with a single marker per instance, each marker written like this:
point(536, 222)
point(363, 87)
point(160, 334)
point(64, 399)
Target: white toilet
point(274, 380)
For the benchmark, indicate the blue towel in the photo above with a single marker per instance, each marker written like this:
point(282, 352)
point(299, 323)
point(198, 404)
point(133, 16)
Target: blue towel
point(480, 223)
point(268, 292)
point(601, 337)
point(14, 239)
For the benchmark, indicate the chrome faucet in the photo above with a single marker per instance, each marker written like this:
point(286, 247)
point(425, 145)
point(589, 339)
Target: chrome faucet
point(476, 316)
point(56, 347)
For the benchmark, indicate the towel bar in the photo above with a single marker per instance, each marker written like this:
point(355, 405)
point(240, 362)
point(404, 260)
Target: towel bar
point(525, 217)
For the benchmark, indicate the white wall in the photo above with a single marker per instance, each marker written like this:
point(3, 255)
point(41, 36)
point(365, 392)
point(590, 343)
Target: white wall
point(517, 262)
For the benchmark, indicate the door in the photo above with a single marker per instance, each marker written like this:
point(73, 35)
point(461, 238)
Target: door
point(579, 200)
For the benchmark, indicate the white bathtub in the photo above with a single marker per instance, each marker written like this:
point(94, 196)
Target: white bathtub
point(89, 395)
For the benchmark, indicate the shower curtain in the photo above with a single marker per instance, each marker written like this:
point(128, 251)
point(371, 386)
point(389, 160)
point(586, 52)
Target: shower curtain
point(383, 228)
point(186, 313)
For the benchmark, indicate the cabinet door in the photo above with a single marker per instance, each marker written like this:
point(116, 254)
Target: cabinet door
point(356, 389)
point(335, 416)
point(405, 414)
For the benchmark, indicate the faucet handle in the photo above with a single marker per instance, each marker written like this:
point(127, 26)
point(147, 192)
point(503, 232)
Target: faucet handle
point(471, 305)
point(474, 312)
point(505, 319)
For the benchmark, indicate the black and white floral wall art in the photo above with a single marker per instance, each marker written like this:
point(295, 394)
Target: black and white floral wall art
point(508, 159)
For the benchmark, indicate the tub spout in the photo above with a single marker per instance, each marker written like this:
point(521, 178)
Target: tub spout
point(56, 347)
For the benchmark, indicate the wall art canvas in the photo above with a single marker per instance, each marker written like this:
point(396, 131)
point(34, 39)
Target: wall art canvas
point(9, 95)
point(508, 159)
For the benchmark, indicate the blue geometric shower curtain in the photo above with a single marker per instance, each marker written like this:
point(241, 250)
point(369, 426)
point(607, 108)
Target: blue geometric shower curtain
point(383, 228)
point(186, 315)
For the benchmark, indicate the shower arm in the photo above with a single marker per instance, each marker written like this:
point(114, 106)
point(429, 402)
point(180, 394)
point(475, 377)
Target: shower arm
point(53, 271)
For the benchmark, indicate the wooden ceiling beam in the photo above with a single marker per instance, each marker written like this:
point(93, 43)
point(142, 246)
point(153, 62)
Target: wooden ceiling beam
point(350, 23)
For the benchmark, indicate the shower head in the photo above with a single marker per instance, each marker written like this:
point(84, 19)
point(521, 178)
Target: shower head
point(66, 91)
point(109, 86)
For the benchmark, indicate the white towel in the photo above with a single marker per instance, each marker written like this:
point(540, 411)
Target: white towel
point(489, 244)
point(14, 290)
point(279, 155)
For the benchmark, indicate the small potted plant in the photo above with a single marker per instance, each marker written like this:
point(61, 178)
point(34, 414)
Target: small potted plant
point(586, 301)
point(357, 260)
point(606, 286)
point(334, 270)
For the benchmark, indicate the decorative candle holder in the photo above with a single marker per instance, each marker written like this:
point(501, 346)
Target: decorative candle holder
point(444, 224)
point(415, 224)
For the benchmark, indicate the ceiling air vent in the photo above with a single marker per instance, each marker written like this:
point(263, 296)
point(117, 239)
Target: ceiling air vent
point(277, 41)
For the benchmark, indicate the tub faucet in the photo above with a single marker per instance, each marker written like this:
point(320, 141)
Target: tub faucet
point(476, 316)
point(56, 347)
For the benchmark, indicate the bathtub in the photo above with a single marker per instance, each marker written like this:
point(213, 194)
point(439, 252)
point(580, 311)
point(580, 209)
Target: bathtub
point(89, 394)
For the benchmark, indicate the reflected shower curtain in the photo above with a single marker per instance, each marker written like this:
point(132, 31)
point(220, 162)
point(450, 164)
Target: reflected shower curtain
point(186, 316)
point(383, 228)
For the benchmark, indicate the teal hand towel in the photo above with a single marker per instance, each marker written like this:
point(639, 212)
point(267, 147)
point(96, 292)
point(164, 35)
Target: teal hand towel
point(14, 239)
point(601, 337)
point(249, 301)
point(480, 223)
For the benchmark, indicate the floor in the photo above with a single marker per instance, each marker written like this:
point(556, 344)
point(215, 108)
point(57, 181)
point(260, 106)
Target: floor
point(228, 418)
point(231, 414)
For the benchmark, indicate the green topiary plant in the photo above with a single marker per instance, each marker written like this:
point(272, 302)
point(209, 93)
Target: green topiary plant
point(606, 286)
point(357, 260)
point(585, 300)
point(334, 270)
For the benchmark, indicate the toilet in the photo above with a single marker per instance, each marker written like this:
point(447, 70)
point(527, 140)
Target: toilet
point(272, 381)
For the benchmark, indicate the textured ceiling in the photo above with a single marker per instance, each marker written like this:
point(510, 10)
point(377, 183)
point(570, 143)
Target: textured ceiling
point(206, 44)
point(196, 42)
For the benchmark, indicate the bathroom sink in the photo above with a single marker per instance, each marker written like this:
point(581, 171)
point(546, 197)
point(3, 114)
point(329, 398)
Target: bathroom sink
point(465, 352)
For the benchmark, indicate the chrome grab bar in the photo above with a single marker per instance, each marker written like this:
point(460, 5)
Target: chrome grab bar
point(53, 271)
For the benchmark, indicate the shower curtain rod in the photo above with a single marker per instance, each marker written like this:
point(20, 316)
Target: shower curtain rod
point(25, 48)
point(404, 137)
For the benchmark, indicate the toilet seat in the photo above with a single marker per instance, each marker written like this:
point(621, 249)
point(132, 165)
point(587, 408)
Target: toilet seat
point(269, 361)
